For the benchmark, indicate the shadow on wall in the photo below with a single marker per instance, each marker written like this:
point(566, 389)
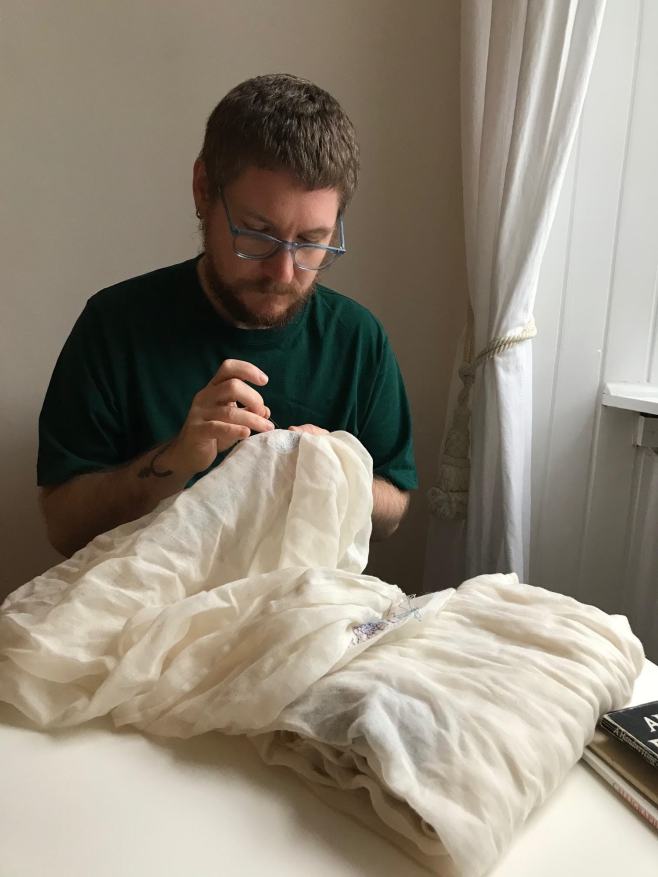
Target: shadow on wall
point(25, 548)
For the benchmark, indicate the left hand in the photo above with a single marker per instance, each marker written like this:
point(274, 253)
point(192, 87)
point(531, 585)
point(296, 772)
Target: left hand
point(310, 429)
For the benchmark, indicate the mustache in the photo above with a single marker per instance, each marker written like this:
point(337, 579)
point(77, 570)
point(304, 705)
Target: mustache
point(267, 287)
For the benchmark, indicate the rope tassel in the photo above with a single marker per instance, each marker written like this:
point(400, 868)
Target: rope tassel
point(448, 499)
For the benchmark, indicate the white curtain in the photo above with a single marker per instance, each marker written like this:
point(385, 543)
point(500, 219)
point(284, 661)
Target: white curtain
point(525, 65)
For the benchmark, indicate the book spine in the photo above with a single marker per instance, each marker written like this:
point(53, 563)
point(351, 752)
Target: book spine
point(630, 795)
point(635, 804)
point(625, 737)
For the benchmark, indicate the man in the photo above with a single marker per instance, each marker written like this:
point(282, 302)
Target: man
point(164, 373)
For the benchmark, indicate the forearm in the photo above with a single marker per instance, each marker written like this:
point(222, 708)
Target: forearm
point(389, 505)
point(87, 505)
point(222, 413)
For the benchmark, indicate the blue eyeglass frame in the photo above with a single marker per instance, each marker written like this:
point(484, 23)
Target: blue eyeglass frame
point(290, 246)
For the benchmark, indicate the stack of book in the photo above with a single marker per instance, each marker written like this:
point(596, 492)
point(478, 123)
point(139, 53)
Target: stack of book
point(625, 754)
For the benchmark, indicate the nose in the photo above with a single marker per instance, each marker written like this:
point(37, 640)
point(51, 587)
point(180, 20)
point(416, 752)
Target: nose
point(280, 267)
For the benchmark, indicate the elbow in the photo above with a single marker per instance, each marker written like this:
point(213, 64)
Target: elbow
point(381, 532)
point(56, 530)
point(390, 505)
point(59, 540)
point(61, 544)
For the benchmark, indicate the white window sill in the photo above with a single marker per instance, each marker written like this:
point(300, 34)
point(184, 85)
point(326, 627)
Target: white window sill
point(642, 398)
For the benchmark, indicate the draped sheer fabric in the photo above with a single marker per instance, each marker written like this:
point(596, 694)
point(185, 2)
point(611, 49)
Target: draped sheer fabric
point(241, 606)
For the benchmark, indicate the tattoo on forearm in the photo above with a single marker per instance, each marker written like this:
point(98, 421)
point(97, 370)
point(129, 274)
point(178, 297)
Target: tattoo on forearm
point(150, 469)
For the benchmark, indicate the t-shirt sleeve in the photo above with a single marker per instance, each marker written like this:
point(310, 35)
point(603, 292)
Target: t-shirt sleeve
point(79, 425)
point(386, 428)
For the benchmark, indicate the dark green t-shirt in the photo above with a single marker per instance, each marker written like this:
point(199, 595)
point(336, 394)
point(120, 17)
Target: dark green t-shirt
point(140, 350)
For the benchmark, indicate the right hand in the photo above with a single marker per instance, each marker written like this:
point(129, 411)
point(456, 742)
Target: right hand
point(215, 422)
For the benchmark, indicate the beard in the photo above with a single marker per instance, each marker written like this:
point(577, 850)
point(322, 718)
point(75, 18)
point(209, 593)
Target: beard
point(230, 297)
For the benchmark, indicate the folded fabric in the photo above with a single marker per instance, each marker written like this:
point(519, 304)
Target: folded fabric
point(241, 606)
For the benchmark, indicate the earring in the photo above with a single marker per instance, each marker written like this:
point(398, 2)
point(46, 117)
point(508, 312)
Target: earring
point(198, 213)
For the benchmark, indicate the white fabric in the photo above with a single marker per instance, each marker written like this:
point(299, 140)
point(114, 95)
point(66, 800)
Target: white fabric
point(92, 802)
point(240, 606)
point(525, 66)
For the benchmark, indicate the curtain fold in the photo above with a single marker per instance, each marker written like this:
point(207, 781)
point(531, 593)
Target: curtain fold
point(525, 66)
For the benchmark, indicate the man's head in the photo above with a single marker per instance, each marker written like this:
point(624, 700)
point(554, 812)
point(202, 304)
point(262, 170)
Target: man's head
point(283, 155)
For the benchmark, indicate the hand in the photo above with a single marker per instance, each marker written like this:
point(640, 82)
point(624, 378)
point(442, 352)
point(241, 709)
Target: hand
point(310, 429)
point(215, 422)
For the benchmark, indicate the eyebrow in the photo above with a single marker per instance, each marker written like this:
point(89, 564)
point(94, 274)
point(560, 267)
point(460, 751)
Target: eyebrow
point(250, 214)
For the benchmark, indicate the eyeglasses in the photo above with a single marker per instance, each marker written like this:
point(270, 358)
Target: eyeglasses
point(256, 245)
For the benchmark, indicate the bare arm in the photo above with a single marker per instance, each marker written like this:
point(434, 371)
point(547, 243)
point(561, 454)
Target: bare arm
point(389, 506)
point(87, 505)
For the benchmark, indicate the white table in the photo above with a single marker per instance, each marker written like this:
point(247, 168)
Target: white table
point(94, 802)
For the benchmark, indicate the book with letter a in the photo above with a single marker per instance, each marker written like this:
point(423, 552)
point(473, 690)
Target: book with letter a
point(637, 727)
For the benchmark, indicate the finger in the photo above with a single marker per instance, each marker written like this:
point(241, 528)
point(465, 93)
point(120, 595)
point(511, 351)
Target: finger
point(309, 428)
point(235, 390)
point(224, 432)
point(244, 417)
point(237, 416)
point(230, 392)
point(238, 368)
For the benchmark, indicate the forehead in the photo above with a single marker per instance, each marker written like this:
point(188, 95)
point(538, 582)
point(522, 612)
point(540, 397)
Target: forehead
point(279, 197)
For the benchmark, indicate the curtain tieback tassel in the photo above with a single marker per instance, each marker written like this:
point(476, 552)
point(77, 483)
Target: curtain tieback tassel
point(448, 499)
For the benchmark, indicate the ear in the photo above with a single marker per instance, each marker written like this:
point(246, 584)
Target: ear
point(200, 188)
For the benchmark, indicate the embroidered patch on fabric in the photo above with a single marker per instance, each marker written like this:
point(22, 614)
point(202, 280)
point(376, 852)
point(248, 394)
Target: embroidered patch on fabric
point(364, 631)
point(397, 614)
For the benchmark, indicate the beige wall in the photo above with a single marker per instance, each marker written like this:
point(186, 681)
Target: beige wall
point(103, 108)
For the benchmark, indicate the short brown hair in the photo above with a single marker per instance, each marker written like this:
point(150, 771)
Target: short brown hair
point(282, 122)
